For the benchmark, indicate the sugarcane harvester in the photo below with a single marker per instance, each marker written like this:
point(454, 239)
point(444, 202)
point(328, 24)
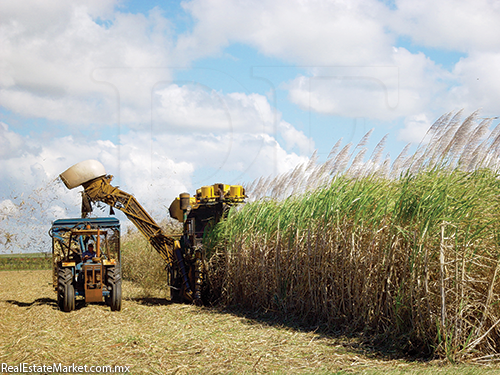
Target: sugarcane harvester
point(184, 257)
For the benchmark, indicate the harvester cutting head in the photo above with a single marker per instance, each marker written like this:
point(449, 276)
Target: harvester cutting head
point(201, 212)
point(217, 196)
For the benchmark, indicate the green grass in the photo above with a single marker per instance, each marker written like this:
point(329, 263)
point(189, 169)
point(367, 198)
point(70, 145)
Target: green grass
point(25, 261)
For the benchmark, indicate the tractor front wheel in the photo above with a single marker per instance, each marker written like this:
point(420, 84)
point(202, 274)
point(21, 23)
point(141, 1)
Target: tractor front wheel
point(114, 281)
point(66, 290)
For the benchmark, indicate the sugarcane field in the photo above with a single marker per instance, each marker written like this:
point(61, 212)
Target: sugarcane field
point(250, 187)
point(341, 267)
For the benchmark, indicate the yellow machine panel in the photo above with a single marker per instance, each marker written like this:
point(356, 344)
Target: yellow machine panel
point(175, 208)
point(237, 192)
point(213, 192)
point(206, 194)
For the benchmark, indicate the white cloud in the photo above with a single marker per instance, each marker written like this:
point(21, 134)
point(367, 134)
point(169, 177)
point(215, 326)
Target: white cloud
point(304, 32)
point(230, 157)
point(154, 169)
point(58, 62)
point(363, 35)
point(294, 137)
point(32, 196)
point(460, 25)
point(408, 85)
point(415, 128)
point(479, 82)
point(192, 107)
point(71, 110)
point(11, 143)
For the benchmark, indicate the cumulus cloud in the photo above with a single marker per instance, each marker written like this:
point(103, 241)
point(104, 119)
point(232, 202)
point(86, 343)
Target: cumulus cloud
point(90, 64)
point(295, 138)
point(194, 107)
point(415, 128)
point(407, 86)
point(311, 32)
point(468, 27)
point(459, 25)
point(59, 62)
point(478, 80)
point(153, 167)
point(136, 169)
point(32, 196)
point(238, 157)
point(11, 143)
point(363, 36)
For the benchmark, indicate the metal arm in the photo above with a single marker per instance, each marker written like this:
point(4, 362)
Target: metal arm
point(100, 190)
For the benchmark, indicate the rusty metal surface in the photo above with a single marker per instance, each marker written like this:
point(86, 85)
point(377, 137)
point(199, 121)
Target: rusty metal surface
point(93, 282)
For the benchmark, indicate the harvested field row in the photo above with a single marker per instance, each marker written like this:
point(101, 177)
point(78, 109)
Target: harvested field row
point(153, 336)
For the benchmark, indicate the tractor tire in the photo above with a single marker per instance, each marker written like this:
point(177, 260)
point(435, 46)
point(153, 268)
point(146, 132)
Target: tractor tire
point(175, 287)
point(175, 295)
point(114, 281)
point(65, 290)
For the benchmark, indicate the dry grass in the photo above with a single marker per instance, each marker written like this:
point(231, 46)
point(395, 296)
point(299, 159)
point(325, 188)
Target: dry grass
point(153, 336)
point(466, 145)
point(144, 266)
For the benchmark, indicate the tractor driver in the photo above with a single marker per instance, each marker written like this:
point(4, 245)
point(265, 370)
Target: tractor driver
point(89, 254)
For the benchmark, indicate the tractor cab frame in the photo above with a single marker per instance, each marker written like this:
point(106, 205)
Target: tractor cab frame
point(93, 279)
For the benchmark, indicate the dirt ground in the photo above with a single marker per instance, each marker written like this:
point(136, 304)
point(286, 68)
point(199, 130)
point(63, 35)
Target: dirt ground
point(151, 335)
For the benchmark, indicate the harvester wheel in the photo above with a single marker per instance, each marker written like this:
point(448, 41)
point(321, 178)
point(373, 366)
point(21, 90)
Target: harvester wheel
point(66, 290)
point(175, 295)
point(175, 287)
point(114, 281)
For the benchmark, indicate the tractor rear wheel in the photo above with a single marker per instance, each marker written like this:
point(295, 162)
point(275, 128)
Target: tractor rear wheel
point(66, 290)
point(114, 281)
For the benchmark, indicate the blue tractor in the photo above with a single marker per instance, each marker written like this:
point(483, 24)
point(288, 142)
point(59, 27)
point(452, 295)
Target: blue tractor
point(79, 272)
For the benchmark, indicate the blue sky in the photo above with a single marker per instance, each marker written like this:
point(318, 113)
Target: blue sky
point(170, 96)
